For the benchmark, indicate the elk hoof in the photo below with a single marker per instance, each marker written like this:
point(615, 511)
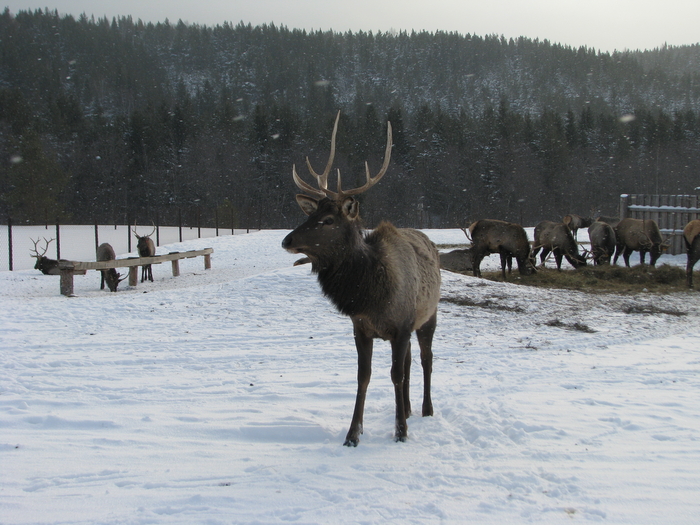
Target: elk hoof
point(351, 442)
point(400, 439)
point(427, 410)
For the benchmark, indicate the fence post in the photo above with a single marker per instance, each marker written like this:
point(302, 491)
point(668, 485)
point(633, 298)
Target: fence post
point(199, 223)
point(97, 237)
point(623, 206)
point(9, 238)
point(58, 240)
point(157, 228)
point(179, 222)
point(232, 223)
point(216, 220)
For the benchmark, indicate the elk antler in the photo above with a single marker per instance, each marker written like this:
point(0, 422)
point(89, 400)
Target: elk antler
point(466, 233)
point(139, 236)
point(46, 248)
point(322, 179)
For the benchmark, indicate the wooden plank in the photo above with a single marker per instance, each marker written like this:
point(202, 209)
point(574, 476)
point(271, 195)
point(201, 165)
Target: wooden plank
point(134, 261)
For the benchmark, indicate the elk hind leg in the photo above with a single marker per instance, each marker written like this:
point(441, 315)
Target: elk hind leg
point(364, 345)
point(406, 382)
point(399, 350)
point(425, 341)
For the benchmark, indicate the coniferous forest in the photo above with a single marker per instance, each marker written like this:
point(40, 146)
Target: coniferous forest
point(114, 120)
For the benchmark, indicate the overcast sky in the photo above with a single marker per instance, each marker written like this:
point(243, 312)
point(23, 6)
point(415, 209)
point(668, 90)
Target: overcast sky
point(606, 25)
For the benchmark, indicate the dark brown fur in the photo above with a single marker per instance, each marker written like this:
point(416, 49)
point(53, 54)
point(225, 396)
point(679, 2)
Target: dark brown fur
point(642, 235)
point(44, 264)
point(603, 242)
point(105, 252)
point(146, 248)
point(556, 237)
point(505, 238)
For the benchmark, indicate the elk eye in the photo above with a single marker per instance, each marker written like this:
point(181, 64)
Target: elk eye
point(328, 221)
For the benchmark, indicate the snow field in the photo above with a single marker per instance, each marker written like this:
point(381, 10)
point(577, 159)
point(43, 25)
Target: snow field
point(223, 396)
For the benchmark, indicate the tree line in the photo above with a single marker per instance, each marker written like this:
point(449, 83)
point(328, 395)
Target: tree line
point(120, 120)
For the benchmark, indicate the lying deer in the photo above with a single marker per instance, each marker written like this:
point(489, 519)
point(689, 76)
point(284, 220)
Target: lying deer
point(44, 264)
point(386, 281)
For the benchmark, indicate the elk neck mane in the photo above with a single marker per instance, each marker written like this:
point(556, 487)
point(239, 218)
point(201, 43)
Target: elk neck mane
point(356, 278)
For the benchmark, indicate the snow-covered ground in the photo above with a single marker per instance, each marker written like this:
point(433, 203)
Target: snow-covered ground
point(223, 396)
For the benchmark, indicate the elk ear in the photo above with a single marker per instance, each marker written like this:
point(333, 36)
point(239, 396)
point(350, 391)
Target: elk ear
point(351, 208)
point(307, 204)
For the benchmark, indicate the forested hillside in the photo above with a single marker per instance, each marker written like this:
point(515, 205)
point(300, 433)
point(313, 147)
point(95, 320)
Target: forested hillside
point(114, 120)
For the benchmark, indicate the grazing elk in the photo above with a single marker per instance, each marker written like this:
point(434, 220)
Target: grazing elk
point(386, 281)
point(576, 222)
point(505, 238)
point(556, 237)
point(691, 237)
point(642, 235)
point(105, 252)
point(44, 264)
point(146, 248)
point(603, 242)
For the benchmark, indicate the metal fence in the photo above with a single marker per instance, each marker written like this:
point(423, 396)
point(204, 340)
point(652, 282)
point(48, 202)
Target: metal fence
point(79, 242)
point(671, 213)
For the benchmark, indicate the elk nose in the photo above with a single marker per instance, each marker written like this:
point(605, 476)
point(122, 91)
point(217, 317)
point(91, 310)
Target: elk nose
point(287, 241)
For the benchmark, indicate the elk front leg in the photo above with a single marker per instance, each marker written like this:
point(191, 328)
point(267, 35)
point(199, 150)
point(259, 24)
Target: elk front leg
point(364, 345)
point(399, 350)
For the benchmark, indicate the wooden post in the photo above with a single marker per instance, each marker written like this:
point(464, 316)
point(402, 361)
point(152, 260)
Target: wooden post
point(133, 275)
point(58, 240)
point(207, 261)
point(67, 282)
point(623, 206)
point(9, 239)
point(176, 267)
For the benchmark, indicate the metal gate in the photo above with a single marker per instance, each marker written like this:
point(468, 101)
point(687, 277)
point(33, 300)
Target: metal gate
point(671, 213)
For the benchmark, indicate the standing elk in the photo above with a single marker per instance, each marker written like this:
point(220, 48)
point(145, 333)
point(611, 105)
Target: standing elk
point(691, 237)
point(44, 264)
point(603, 242)
point(505, 238)
point(146, 248)
point(642, 235)
point(105, 252)
point(556, 237)
point(386, 281)
point(576, 222)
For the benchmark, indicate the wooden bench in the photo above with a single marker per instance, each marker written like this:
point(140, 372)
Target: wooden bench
point(68, 269)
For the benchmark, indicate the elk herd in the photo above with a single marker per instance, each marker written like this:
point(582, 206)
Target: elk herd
point(609, 238)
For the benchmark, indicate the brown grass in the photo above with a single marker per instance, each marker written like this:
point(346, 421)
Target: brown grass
point(617, 279)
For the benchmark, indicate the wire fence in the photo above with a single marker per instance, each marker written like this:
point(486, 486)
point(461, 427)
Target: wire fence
point(80, 242)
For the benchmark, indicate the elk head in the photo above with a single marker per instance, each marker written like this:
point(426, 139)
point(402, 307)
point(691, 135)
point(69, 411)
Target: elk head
point(333, 215)
point(143, 242)
point(44, 264)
